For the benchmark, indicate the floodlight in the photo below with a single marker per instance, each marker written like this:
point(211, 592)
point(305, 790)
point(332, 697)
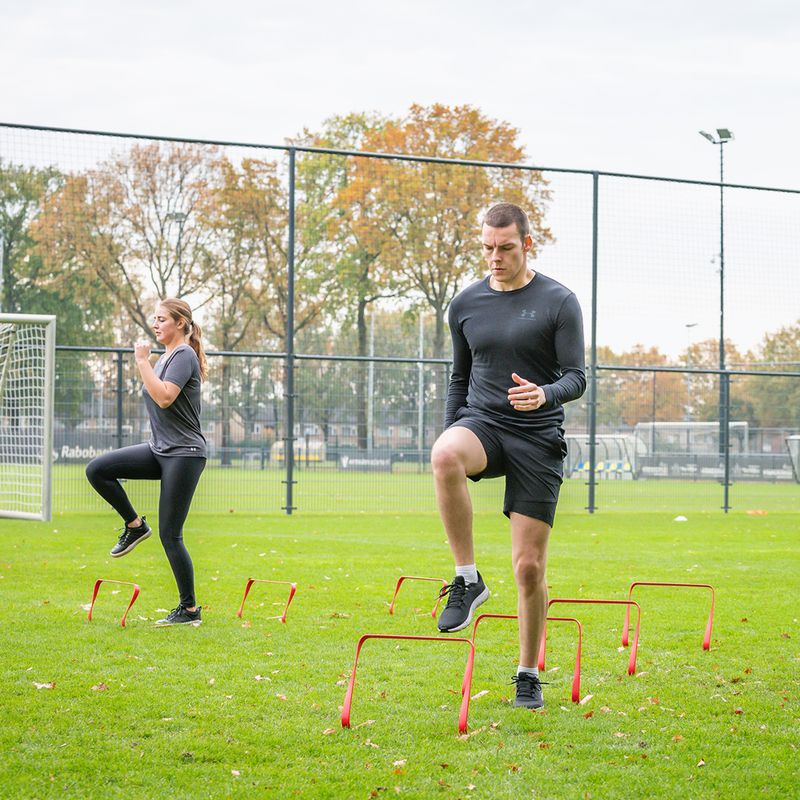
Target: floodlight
point(709, 137)
point(724, 134)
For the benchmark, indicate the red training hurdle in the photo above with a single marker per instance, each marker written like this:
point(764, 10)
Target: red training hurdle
point(124, 583)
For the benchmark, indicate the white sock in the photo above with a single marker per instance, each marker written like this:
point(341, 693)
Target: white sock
point(469, 572)
point(532, 670)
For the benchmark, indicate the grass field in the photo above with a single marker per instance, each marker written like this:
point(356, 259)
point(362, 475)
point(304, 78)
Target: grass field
point(321, 489)
point(250, 708)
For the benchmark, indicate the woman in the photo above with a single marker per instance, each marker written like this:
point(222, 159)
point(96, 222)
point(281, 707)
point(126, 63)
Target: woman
point(175, 455)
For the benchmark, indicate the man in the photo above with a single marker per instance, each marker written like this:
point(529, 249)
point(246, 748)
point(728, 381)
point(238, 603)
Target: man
point(518, 355)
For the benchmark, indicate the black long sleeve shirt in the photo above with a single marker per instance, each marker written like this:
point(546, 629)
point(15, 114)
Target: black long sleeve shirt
point(535, 331)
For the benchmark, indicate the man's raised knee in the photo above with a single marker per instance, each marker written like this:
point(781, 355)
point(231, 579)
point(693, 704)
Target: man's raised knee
point(447, 460)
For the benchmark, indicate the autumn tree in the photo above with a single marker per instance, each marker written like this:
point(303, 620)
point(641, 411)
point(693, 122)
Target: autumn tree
point(336, 203)
point(130, 229)
point(30, 285)
point(432, 211)
point(776, 401)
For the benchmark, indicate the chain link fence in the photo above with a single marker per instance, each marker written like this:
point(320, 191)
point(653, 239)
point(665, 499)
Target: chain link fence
point(307, 261)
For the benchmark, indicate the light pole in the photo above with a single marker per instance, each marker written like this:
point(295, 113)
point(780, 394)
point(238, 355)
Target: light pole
point(724, 135)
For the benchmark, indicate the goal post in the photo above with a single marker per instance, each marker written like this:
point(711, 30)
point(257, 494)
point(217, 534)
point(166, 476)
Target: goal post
point(793, 446)
point(27, 378)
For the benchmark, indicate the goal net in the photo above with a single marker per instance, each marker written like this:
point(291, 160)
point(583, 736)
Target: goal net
point(27, 367)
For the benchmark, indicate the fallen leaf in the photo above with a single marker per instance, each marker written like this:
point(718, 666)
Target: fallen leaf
point(400, 763)
point(620, 735)
point(480, 694)
point(701, 763)
point(365, 722)
point(235, 773)
point(748, 670)
point(281, 696)
point(51, 685)
point(586, 699)
point(212, 681)
point(545, 745)
point(100, 687)
point(677, 738)
point(247, 624)
point(738, 711)
point(588, 715)
point(513, 767)
point(328, 731)
point(605, 709)
point(785, 636)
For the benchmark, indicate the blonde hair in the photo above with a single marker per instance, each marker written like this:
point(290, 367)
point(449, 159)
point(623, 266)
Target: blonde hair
point(180, 311)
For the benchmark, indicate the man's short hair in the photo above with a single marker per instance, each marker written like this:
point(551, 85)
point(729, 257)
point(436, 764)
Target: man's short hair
point(501, 215)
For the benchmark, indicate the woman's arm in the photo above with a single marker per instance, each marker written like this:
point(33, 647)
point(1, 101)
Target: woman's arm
point(163, 392)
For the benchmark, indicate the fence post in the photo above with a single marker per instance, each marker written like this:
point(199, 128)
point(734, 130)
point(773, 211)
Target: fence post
point(119, 399)
point(725, 444)
point(288, 449)
point(593, 358)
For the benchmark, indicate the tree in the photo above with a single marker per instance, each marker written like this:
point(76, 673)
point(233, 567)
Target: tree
point(776, 401)
point(432, 211)
point(339, 223)
point(30, 285)
point(130, 227)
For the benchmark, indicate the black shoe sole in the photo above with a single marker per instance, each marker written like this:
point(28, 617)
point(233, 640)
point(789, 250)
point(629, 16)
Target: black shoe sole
point(481, 598)
point(530, 708)
point(131, 545)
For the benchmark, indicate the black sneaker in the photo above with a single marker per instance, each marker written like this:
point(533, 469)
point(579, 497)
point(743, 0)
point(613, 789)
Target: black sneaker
point(182, 616)
point(463, 599)
point(529, 691)
point(129, 538)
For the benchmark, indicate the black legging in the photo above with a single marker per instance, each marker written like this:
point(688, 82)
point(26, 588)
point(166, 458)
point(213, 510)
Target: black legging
point(178, 475)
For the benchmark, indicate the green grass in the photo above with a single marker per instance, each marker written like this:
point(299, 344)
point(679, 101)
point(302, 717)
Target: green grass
point(321, 489)
point(183, 714)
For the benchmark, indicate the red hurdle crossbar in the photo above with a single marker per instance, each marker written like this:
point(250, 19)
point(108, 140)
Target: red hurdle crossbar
point(97, 583)
point(404, 578)
point(706, 638)
point(348, 698)
point(576, 676)
point(587, 601)
point(251, 581)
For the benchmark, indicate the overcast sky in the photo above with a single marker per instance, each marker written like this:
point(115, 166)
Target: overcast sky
point(599, 84)
point(613, 85)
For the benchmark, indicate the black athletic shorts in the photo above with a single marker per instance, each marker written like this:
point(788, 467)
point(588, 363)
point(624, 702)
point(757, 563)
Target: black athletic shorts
point(532, 462)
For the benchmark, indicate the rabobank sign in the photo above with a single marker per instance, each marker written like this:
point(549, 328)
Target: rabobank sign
point(78, 453)
point(365, 463)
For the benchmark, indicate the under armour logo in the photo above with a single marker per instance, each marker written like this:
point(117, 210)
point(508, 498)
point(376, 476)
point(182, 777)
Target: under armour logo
point(527, 314)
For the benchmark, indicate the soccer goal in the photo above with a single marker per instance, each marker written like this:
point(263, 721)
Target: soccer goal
point(27, 370)
point(793, 445)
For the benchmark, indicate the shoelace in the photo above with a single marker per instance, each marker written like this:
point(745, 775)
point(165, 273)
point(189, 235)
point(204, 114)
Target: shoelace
point(126, 531)
point(456, 592)
point(527, 684)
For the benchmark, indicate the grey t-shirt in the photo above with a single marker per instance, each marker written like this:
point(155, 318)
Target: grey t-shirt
point(175, 430)
point(535, 331)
